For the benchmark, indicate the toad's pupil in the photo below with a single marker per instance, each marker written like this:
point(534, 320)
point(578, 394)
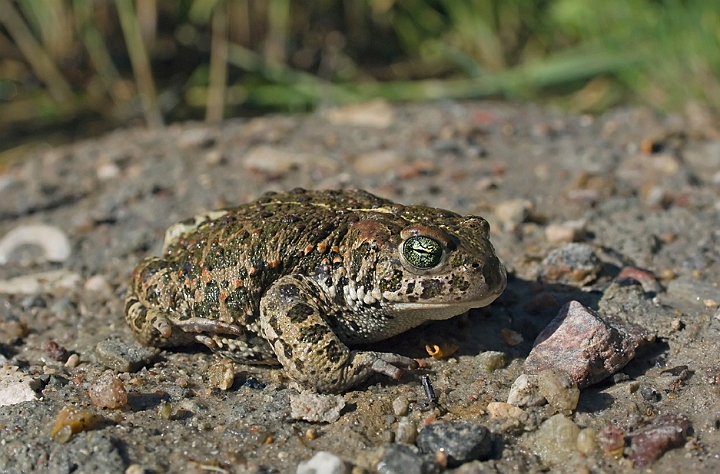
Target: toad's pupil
point(422, 252)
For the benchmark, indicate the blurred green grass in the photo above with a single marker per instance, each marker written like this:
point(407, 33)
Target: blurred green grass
point(82, 66)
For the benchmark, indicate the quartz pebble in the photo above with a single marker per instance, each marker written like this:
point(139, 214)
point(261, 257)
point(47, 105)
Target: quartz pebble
point(558, 388)
point(406, 431)
point(525, 392)
point(108, 391)
point(556, 440)
point(586, 442)
point(460, 441)
point(572, 264)
point(490, 361)
point(122, 357)
point(377, 162)
point(15, 387)
point(322, 463)
point(586, 345)
point(98, 284)
point(272, 160)
point(663, 434)
point(315, 407)
point(222, 374)
point(401, 405)
point(570, 231)
point(52, 240)
point(504, 410)
point(72, 361)
point(513, 212)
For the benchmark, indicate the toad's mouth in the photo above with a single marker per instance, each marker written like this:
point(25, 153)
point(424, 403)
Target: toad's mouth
point(440, 309)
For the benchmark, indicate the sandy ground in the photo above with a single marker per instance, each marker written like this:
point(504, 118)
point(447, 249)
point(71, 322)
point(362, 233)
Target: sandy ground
point(643, 186)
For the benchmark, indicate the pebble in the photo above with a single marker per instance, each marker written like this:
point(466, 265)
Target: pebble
point(222, 374)
point(135, 469)
point(122, 357)
point(504, 410)
point(513, 212)
point(401, 405)
point(196, 138)
point(107, 171)
point(647, 279)
point(315, 407)
point(11, 329)
point(33, 301)
point(405, 459)
point(406, 431)
point(458, 440)
point(666, 432)
point(43, 282)
point(649, 394)
point(511, 338)
point(15, 387)
point(612, 441)
point(375, 113)
point(525, 392)
point(71, 420)
point(556, 440)
point(73, 361)
point(323, 462)
point(586, 442)
point(559, 389)
point(98, 284)
point(377, 162)
point(272, 160)
point(490, 361)
point(567, 232)
point(52, 240)
point(108, 391)
point(586, 345)
point(572, 264)
point(55, 351)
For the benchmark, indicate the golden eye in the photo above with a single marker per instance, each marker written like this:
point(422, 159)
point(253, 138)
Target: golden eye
point(422, 252)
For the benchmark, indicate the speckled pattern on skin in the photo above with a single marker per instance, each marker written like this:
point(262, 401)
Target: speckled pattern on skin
point(295, 278)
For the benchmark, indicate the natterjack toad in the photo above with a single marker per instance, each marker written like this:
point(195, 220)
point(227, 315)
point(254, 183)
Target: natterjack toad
point(296, 278)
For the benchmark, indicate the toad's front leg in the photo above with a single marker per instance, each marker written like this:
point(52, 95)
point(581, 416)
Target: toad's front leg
point(291, 318)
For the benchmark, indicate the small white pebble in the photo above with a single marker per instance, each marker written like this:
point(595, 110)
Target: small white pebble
point(72, 361)
point(322, 463)
point(401, 405)
point(108, 171)
point(98, 284)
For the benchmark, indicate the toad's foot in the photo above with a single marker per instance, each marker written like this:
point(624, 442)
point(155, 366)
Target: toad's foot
point(156, 328)
point(305, 344)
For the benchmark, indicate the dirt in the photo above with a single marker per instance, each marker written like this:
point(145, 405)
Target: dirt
point(646, 186)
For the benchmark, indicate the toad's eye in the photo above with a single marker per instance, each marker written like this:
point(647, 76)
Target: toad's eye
point(422, 252)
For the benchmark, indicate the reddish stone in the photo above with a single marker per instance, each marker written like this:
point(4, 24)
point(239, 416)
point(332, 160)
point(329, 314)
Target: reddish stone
point(585, 344)
point(665, 433)
point(647, 279)
point(611, 440)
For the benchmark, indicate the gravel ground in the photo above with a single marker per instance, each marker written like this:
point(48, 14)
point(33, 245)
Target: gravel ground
point(634, 189)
